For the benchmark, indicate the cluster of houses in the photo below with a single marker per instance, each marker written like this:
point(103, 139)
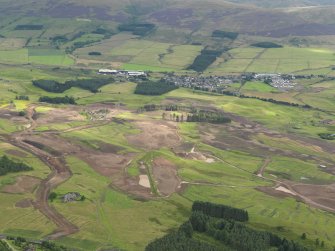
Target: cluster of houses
point(122, 72)
point(204, 82)
point(277, 80)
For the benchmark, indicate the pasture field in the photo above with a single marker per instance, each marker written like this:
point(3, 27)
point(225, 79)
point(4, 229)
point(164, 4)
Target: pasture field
point(35, 56)
point(258, 87)
point(139, 54)
point(281, 60)
point(49, 57)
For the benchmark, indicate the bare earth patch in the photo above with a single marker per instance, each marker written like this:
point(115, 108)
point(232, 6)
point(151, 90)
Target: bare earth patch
point(59, 116)
point(25, 203)
point(166, 176)
point(16, 153)
point(144, 181)
point(23, 184)
point(284, 190)
point(320, 194)
point(155, 135)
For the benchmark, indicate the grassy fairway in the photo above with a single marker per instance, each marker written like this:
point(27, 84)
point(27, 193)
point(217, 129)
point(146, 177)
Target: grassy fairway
point(114, 215)
point(35, 224)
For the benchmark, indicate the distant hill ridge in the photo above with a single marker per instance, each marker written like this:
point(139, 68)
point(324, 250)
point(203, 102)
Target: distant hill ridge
point(257, 17)
point(284, 3)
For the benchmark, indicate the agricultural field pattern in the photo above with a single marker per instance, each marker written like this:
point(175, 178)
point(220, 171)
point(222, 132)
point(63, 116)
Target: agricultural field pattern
point(167, 125)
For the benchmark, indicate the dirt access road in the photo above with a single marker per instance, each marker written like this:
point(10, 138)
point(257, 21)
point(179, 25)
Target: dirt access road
point(59, 174)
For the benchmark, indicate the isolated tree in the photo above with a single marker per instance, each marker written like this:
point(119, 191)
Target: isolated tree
point(163, 115)
point(52, 196)
point(177, 118)
point(303, 236)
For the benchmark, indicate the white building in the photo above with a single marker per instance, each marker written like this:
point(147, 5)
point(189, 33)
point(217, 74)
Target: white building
point(136, 73)
point(107, 71)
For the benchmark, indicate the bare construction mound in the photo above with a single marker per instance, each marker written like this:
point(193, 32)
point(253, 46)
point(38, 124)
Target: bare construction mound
point(155, 135)
point(166, 176)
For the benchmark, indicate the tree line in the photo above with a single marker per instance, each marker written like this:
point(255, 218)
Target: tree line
point(92, 85)
point(224, 224)
point(181, 240)
point(239, 236)
point(239, 95)
point(28, 245)
point(29, 27)
point(9, 166)
point(267, 45)
point(208, 116)
point(154, 88)
point(220, 211)
point(225, 34)
point(193, 114)
point(154, 107)
point(58, 100)
point(22, 97)
point(137, 28)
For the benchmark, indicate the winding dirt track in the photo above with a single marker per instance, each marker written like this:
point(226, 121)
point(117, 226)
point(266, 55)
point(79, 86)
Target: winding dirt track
point(59, 174)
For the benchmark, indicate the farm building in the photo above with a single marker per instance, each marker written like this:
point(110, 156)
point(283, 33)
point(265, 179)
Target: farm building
point(136, 73)
point(107, 71)
point(69, 197)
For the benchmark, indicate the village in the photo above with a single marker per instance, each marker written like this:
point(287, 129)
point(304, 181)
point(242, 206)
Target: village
point(219, 83)
point(212, 82)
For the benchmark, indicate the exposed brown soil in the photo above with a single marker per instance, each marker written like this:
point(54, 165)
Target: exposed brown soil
point(55, 116)
point(131, 186)
point(25, 203)
point(155, 135)
point(59, 174)
point(23, 184)
point(16, 153)
point(321, 194)
point(165, 174)
point(266, 162)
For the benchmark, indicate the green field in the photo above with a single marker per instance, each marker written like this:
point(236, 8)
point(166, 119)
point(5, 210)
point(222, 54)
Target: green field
point(282, 60)
point(138, 169)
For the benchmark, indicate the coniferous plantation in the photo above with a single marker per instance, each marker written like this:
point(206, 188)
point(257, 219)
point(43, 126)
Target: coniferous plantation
point(227, 226)
point(92, 85)
point(58, 100)
point(208, 116)
point(9, 166)
point(205, 59)
point(153, 88)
